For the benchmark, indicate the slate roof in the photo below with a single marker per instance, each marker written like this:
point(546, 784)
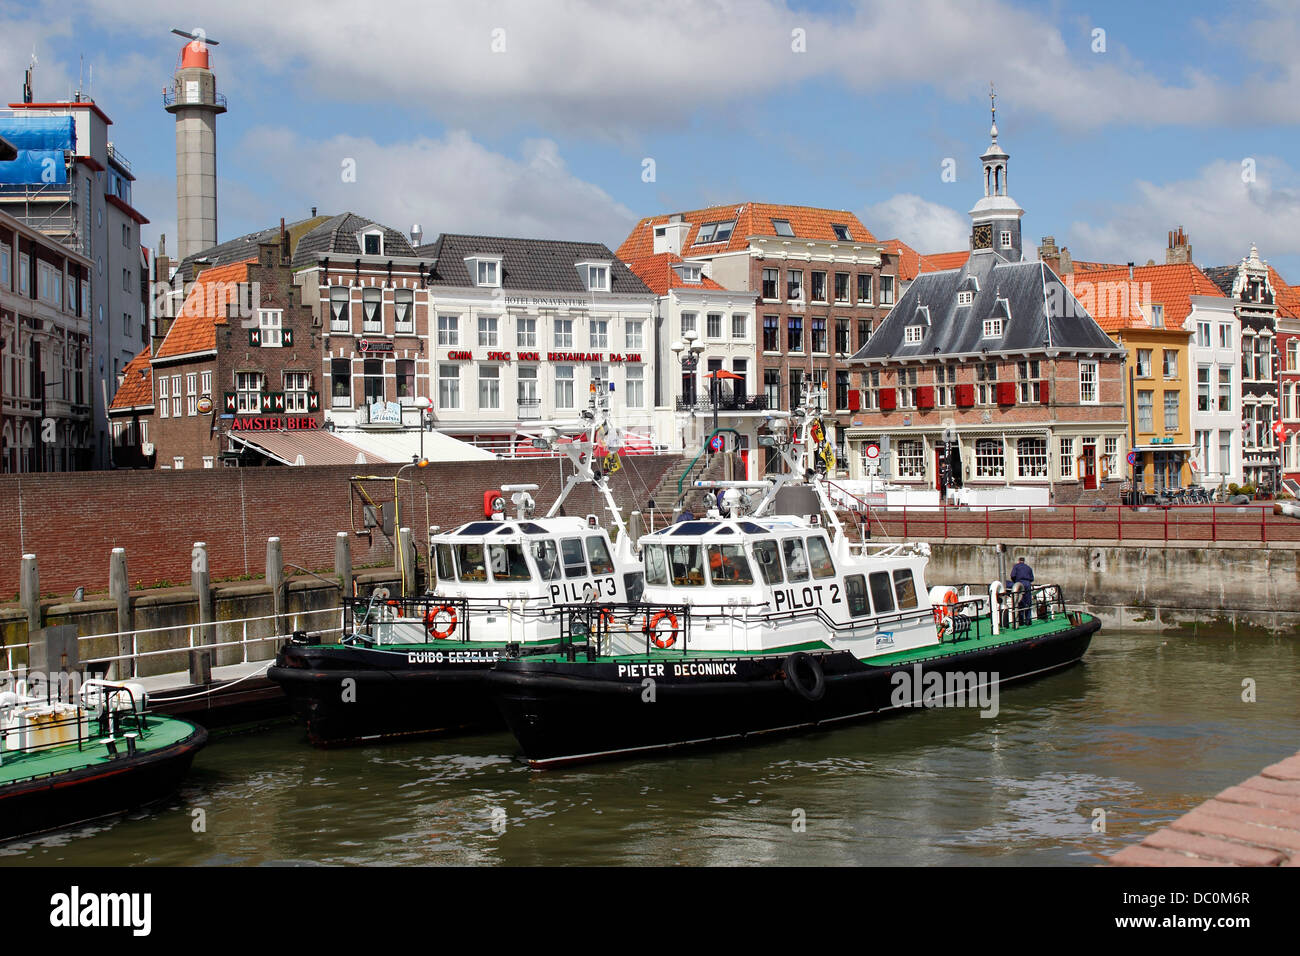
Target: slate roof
point(911, 263)
point(752, 219)
point(136, 390)
point(337, 236)
point(541, 265)
point(243, 247)
point(1027, 288)
point(658, 274)
point(1222, 276)
point(195, 327)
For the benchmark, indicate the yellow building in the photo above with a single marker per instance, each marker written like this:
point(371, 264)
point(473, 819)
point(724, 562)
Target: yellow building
point(1143, 309)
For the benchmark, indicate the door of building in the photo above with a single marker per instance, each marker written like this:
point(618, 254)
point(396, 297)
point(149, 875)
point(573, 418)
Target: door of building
point(1090, 467)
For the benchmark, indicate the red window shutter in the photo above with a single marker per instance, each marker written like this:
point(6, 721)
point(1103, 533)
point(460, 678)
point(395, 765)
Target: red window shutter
point(888, 399)
point(965, 395)
point(1044, 393)
point(855, 400)
point(1006, 393)
point(925, 396)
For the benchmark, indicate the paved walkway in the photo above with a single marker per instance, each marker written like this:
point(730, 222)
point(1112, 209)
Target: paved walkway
point(1256, 823)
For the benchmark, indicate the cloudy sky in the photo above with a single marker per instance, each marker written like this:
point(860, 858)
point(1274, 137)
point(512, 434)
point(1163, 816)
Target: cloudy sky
point(572, 118)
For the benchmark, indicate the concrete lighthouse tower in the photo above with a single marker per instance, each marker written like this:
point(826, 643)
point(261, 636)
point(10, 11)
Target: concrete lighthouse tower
point(195, 102)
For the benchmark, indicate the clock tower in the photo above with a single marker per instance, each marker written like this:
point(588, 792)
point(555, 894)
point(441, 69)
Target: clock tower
point(995, 219)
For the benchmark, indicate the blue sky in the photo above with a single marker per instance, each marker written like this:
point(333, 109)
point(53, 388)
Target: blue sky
point(536, 118)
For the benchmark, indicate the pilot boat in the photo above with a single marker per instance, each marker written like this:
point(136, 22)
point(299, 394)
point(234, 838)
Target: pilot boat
point(759, 622)
point(416, 666)
point(100, 753)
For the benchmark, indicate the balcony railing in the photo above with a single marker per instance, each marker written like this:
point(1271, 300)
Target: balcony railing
point(115, 156)
point(172, 97)
point(728, 403)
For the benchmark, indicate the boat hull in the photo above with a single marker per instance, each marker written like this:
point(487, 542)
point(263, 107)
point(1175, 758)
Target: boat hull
point(88, 793)
point(392, 694)
point(565, 713)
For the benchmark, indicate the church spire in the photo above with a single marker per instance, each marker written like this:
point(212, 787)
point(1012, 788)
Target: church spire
point(993, 109)
point(996, 217)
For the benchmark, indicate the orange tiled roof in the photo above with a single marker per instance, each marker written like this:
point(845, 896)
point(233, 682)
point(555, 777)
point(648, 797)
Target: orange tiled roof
point(1287, 296)
point(136, 389)
point(909, 260)
point(658, 273)
point(195, 328)
point(752, 219)
point(1170, 285)
point(943, 261)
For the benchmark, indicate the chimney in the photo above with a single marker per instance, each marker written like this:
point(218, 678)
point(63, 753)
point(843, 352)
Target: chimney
point(284, 243)
point(1130, 272)
point(1050, 254)
point(313, 212)
point(1179, 249)
point(417, 236)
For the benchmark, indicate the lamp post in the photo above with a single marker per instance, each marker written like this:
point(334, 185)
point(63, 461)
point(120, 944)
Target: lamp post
point(688, 353)
point(423, 404)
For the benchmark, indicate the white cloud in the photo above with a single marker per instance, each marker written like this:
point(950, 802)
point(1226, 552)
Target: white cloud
point(615, 69)
point(1222, 214)
point(925, 226)
point(449, 184)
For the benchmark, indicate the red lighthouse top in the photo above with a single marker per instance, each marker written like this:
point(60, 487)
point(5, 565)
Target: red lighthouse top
point(194, 55)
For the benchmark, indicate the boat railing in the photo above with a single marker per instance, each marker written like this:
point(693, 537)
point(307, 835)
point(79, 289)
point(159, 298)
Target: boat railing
point(588, 628)
point(23, 715)
point(443, 618)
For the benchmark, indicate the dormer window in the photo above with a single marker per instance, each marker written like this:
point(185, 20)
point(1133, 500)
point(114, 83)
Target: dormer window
point(484, 271)
point(913, 334)
point(716, 231)
point(1157, 315)
point(965, 298)
point(687, 272)
point(782, 227)
point(992, 328)
point(372, 243)
point(595, 275)
point(841, 231)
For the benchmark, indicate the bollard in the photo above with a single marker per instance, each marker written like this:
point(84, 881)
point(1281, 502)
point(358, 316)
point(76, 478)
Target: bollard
point(119, 589)
point(275, 579)
point(343, 563)
point(29, 593)
point(201, 661)
point(406, 561)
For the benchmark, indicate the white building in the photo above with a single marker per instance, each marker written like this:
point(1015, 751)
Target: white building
point(521, 329)
point(1215, 352)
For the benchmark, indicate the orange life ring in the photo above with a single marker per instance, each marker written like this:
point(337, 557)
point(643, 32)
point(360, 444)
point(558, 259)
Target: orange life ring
point(431, 615)
point(945, 611)
point(653, 629)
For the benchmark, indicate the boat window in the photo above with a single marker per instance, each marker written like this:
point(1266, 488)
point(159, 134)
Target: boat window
point(575, 562)
point(725, 529)
point(656, 569)
point(796, 561)
point(882, 596)
point(727, 565)
point(634, 586)
point(769, 561)
point(685, 565)
point(822, 567)
point(445, 570)
point(905, 588)
point(529, 528)
point(855, 589)
point(693, 527)
point(750, 528)
point(598, 552)
point(508, 529)
point(469, 562)
point(547, 558)
point(479, 527)
point(507, 563)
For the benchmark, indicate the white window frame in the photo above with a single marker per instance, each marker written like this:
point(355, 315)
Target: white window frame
point(1089, 382)
point(565, 378)
point(634, 334)
point(296, 387)
point(1065, 452)
point(526, 332)
point(910, 455)
point(598, 329)
point(448, 329)
point(992, 328)
point(1031, 463)
point(489, 387)
point(162, 396)
point(913, 334)
point(404, 325)
point(988, 462)
point(487, 331)
point(1006, 238)
point(248, 392)
point(191, 393)
point(563, 333)
point(634, 397)
point(270, 324)
point(340, 309)
point(449, 386)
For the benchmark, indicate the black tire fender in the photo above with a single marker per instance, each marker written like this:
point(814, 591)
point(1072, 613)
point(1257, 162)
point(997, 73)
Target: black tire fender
point(797, 662)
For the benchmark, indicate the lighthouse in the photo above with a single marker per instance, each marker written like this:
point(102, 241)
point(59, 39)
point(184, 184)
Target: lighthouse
point(194, 101)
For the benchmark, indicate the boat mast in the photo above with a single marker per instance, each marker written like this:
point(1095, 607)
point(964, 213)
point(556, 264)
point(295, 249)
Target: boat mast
point(580, 450)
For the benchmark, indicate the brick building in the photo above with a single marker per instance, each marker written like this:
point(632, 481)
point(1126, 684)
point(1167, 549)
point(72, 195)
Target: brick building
point(235, 373)
point(822, 281)
point(992, 375)
point(45, 353)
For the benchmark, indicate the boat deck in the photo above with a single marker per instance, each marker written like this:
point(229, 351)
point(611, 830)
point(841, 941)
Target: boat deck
point(980, 636)
point(161, 732)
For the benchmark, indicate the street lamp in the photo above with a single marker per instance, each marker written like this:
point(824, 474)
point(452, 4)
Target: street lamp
point(423, 404)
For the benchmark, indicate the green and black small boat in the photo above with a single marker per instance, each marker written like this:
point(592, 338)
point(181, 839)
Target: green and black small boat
point(64, 762)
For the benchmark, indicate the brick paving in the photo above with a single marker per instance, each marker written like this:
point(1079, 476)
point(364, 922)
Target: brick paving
point(1256, 823)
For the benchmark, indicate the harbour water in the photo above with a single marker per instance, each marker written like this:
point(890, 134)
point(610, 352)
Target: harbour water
point(1145, 729)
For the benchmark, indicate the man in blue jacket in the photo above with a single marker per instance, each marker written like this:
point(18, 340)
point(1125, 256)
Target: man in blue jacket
point(1024, 575)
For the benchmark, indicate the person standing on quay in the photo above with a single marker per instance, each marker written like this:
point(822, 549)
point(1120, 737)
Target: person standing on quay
point(1023, 574)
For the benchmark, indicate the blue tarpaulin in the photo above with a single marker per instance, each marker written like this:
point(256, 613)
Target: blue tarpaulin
point(40, 141)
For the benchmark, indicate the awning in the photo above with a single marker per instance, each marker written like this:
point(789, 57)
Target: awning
point(312, 447)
